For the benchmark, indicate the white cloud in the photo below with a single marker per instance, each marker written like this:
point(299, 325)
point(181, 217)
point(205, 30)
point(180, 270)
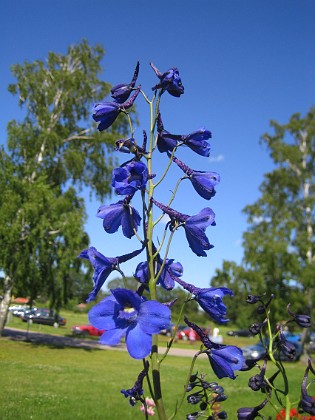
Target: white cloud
point(218, 158)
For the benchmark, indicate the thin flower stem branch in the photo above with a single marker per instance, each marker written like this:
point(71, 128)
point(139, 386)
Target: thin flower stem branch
point(165, 256)
point(169, 344)
point(178, 405)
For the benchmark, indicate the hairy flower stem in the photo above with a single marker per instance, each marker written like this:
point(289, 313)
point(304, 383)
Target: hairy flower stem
point(155, 364)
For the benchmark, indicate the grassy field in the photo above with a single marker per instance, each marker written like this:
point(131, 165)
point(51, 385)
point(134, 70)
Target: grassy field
point(43, 382)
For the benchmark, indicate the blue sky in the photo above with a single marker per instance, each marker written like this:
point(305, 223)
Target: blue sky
point(242, 63)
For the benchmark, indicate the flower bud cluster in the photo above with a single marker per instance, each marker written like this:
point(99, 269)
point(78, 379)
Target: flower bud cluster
point(208, 395)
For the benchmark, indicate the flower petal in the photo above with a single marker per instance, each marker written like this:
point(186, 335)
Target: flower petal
point(154, 317)
point(138, 342)
point(113, 337)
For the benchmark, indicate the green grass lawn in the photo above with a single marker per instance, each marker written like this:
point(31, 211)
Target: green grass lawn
point(42, 382)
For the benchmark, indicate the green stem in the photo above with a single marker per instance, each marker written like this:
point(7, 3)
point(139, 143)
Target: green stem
point(178, 405)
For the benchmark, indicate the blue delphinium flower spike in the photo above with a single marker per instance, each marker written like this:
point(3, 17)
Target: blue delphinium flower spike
point(106, 112)
point(169, 81)
point(224, 359)
point(203, 182)
point(120, 214)
point(125, 313)
point(103, 266)
point(122, 91)
point(210, 299)
point(194, 226)
point(130, 177)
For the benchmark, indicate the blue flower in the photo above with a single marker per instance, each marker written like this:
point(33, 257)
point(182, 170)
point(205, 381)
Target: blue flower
point(210, 299)
point(107, 112)
point(211, 302)
point(196, 141)
point(194, 226)
point(125, 313)
point(250, 413)
point(224, 359)
point(302, 320)
point(122, 91)
point(103, 266)
point(130, 177)
point(166, 279)
point(307, 402)
point(120, 214)
point(203, 182)
point(169, 81)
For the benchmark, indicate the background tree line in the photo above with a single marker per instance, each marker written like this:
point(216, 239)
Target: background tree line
point(50, 156)
point(279, 252)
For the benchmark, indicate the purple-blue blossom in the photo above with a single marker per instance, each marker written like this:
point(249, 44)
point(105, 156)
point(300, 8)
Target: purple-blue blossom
point(224, 359)
point(194, 226)
point(120, 214)
point(130, 177)
point(196, 141)
point(122, 91)
point(203, 182)
point(170, 270)
point(170, 81)
point(210, 299)
point(250, 413)
point(125, 313)
point(103, 266)
point(106, 112)
point(307, 402)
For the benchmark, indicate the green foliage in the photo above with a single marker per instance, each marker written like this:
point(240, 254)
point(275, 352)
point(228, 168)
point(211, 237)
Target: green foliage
point(51, 155)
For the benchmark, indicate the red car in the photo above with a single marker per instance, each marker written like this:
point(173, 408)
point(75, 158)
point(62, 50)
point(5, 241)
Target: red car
point(86, 330)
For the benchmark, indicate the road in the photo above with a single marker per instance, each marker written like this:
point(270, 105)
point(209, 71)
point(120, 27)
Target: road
point(78, 342)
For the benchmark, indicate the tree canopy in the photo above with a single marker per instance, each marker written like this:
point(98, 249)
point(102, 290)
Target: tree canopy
point(50, 156)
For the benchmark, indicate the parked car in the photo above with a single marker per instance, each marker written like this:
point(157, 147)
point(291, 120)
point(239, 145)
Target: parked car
point(240, 333)
point(45, 317)
point(85, 330)
point(258, 351)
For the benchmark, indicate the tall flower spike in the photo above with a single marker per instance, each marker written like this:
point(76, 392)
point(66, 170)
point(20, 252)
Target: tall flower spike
point(169, 81)
point(103, 266)
point(130, 177)
point(106, 112)
point(120, 214)
point(122, 91)
point(210, 299)
point(125, 313)
point(224, 359)
point(194, 226)
point(203, 182)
